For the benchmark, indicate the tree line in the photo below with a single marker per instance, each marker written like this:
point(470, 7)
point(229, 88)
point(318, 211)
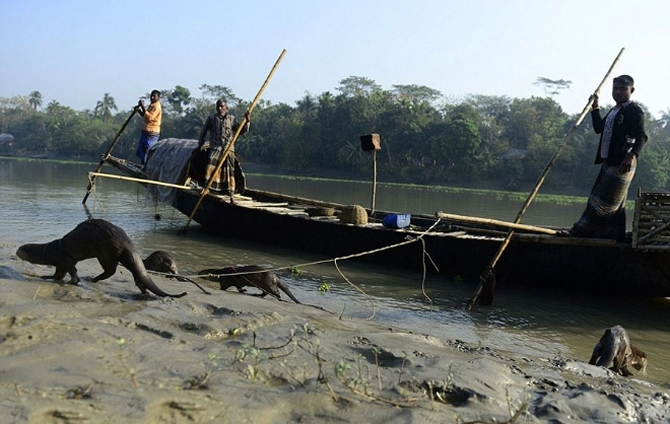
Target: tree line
point(497, 141)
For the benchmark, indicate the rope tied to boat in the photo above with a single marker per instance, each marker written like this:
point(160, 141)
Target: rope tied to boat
point(409, 240)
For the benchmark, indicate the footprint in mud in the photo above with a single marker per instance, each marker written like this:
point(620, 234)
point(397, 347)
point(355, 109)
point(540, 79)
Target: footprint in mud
point(57, 416)
point(176, 412)
point(205, 309)
point(204, 330)
point(162, 333)
point(374, 354)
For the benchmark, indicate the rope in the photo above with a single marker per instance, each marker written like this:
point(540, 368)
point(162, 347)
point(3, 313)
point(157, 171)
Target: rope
point(178, 278)
point(340, 258)
point(410, 239)
point(369, 252)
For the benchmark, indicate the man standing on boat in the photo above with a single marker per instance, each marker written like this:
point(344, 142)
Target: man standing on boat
point(622, 137)
point(221, 127)
point(152, 124)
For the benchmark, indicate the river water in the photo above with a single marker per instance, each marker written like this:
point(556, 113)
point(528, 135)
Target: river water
point(41, 201)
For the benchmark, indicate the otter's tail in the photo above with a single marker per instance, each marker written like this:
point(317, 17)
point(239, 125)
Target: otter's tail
point(285, 289)
point(142, 279)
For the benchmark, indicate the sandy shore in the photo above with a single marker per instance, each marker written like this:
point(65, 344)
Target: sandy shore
point(102, 353)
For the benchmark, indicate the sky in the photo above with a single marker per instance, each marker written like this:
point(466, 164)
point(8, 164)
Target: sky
point(75, 51)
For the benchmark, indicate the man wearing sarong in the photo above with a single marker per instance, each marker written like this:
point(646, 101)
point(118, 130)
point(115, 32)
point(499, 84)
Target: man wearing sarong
point(221, 127)
point(622, 137)
point(152, 124)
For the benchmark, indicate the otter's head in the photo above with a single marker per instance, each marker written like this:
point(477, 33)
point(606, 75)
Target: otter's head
point(639, 360)
point(32, 253)
point(23, 251)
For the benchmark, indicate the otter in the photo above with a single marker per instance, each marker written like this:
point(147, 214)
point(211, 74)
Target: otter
point(266, 281)
point(94, 238)
point(614, 348)
point(161, 261)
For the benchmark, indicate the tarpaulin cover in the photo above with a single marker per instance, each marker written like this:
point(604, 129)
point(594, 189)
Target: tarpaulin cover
point(167, 160)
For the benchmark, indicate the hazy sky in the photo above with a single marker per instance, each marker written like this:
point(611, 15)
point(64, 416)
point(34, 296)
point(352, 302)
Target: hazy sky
point(74, 51)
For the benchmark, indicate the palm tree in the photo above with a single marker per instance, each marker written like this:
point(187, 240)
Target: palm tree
point(53, 106)
point(104, 107)
point(308, 107)
point(35, 99)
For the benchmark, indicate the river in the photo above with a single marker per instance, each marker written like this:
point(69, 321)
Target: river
point(41, 201)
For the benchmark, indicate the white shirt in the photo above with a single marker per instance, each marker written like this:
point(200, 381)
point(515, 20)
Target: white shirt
point(607, 132)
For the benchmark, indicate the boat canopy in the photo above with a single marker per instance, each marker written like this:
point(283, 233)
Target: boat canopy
point(167, 162)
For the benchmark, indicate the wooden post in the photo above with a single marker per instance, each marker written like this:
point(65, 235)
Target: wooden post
point(372, 143)
point(374, 181)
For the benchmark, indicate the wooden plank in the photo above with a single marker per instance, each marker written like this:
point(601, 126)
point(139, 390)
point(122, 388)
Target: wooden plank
point(636, 221)
point(254, 204)
point(295, 199)
point(285, 211)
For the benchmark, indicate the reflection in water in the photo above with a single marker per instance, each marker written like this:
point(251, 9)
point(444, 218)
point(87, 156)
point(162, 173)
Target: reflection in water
point(41, 201)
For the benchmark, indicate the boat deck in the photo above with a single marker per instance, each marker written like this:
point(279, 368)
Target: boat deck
point(452, 226)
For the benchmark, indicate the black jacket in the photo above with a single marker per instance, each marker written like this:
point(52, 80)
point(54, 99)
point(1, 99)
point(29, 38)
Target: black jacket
point(628, 123)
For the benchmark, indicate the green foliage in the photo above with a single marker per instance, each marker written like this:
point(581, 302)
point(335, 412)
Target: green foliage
point(425, 138)
point(103, 109)
point(178, 98)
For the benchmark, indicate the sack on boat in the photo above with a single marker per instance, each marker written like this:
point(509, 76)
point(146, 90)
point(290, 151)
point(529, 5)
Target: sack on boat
point(354, 214)
point(397, 221)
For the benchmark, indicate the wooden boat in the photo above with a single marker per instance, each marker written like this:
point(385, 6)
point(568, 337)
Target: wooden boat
point(457, 245)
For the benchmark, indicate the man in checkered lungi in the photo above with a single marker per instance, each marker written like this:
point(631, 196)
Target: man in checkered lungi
point(622, 137)
point(221, 127)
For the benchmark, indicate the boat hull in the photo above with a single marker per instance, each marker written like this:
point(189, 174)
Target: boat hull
point(530, 260)
point(459, 246)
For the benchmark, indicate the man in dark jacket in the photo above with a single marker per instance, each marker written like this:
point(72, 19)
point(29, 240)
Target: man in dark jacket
point(622, 137)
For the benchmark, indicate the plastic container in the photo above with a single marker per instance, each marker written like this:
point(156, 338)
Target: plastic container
point(397, 221)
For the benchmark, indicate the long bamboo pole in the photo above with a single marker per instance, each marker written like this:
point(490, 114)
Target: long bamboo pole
point(91, 181)
point(234, 139)
point(138, 180)
point(494, 222)
point(487, 278)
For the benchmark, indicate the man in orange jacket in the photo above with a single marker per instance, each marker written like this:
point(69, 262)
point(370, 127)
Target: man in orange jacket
point(152, 124)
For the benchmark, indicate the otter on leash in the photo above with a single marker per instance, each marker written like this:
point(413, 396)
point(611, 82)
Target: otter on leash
point(94, 238)
point(254, 276)
point(161, 261)
point(614, 348)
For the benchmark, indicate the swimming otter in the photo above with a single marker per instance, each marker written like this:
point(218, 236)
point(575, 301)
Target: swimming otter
point(266, 281)
point(94, 238)
point(614, 348)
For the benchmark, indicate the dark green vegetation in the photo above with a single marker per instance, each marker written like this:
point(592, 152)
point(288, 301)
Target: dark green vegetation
point(482, 141)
